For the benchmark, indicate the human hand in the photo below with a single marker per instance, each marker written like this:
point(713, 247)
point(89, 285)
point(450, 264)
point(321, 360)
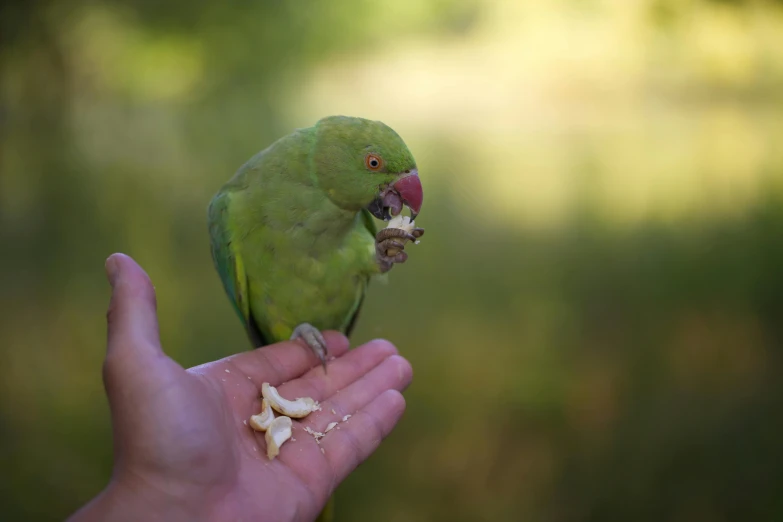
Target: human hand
point(182, 450)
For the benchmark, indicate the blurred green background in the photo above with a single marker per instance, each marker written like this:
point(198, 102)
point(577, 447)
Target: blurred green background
point(594, 318)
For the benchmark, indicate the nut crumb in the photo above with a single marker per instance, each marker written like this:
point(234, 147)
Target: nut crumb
point(334, 412)
point(330, 426)
point(346, 418)
point(317, 435)
point(227, 370)
point(322, 451)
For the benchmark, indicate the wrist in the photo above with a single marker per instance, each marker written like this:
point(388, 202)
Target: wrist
point(132, 500)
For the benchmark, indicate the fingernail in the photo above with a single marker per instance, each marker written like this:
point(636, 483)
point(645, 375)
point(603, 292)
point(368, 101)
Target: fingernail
point(111, 270)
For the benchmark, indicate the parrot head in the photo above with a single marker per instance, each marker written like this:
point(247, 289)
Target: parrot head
point(365, 164)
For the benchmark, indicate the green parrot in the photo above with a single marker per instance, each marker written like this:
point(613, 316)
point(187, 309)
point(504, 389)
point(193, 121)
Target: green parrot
point(292, 233)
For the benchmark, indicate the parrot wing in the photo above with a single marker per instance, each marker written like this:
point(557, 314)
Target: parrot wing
point(230, 266)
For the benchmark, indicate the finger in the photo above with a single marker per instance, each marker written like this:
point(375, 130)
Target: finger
point(132, 314)
point(343, 371)
point(394, 373)
point(282, 362)
point(360, 435)
point(132, 323)
point(135, 369)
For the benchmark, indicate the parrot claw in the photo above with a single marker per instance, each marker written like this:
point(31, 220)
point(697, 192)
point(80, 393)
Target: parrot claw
point(391, 233)
point(390, 246)
point(313, 339)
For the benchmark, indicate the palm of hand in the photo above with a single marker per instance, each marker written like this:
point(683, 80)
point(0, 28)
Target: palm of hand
point(181, 434)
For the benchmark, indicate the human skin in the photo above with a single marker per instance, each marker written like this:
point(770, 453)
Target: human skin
point(182, 450)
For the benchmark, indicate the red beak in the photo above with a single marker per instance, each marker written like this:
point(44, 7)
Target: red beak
point(409, 189)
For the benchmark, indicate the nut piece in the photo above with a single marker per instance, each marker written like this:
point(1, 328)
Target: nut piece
point(330, 426)
point(403, 223)
point(297, 409)
point(278, 432)
point(262, 421)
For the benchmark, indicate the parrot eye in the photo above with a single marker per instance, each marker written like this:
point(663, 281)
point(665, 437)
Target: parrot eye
point(373, 162)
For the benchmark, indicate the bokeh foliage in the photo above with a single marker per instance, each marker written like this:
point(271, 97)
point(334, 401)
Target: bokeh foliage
point(594, 317)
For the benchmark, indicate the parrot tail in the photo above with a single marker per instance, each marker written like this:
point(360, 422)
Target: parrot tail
point(327, 515)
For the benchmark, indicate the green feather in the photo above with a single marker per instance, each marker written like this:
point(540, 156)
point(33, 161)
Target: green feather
point(290, 237)
point(230, 266)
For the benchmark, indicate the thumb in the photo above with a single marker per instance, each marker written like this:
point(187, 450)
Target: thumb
point(133, 345)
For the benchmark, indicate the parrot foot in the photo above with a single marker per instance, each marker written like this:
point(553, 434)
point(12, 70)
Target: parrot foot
point(313, 339)
point(390, 246)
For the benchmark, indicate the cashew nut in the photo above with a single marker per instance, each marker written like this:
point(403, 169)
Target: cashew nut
point(301, 407)
point(262, 421)
point(403, 223)
point(278, 432)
